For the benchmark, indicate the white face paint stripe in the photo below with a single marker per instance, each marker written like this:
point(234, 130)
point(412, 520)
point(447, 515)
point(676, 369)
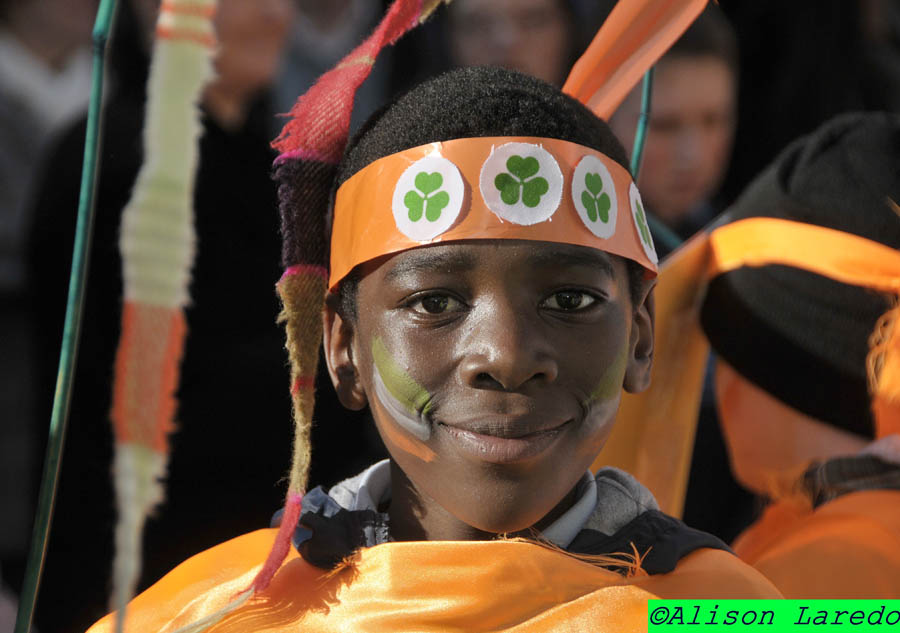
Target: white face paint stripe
point(408, 421)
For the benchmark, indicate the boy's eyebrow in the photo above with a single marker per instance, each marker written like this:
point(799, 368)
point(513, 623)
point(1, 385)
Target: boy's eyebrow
point(565, 258)
point(426, 260)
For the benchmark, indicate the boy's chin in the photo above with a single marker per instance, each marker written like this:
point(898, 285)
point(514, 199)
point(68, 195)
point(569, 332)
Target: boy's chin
point(506, 526)
point(505, 517)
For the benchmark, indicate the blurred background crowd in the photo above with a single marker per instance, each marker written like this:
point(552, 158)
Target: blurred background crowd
point(741, 83)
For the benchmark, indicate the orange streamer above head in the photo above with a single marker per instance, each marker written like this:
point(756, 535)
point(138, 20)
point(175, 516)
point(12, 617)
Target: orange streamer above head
point(635, 35)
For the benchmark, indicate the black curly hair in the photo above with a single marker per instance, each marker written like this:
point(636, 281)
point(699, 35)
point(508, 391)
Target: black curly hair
point(475, 102)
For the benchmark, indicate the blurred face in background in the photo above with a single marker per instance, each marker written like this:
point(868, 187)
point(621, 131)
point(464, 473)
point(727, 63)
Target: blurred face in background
point(252, 35)
point(692, 119)
point(51, 30)
point(531, 36)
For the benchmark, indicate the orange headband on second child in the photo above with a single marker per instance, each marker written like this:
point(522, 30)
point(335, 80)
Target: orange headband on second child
point(520, 188)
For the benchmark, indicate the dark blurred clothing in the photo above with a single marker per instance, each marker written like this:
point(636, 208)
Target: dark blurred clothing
point(36, 101)
point(802, 63)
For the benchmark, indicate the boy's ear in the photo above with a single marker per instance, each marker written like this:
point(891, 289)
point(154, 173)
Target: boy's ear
point(640, 359)
point(339, 336)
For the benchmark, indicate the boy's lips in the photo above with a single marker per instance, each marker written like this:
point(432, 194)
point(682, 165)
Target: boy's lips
point(504, 441)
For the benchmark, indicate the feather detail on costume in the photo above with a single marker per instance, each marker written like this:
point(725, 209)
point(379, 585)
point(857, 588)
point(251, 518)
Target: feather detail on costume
point(628, 564)
point(157, 245)
point(634, 36)
point(883, 366)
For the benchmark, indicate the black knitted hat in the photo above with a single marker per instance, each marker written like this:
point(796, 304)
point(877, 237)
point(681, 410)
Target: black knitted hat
point(799, 336)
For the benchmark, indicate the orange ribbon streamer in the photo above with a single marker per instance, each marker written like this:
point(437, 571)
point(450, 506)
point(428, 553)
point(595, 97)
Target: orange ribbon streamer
point(633, 37)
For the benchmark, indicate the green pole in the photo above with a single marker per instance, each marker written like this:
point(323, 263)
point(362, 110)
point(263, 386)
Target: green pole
point(640, 134)
point(72, 327)
point(661, 232)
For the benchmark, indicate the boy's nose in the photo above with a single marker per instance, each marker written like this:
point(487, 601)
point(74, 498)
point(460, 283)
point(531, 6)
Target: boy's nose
point(689, 146)
point(505, 350)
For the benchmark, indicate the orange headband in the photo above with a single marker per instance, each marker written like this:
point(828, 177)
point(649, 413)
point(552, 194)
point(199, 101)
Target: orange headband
point(514, 188)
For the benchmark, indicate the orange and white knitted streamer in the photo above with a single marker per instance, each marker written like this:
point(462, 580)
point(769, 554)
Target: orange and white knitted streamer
point(157, 245)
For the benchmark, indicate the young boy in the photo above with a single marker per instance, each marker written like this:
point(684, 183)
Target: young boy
point(803, 385)
point(478, 312)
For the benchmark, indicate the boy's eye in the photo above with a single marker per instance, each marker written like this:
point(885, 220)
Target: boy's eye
point(436, 304)
point(568, 300)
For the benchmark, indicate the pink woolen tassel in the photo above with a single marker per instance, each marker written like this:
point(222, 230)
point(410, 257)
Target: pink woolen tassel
point(282, 544)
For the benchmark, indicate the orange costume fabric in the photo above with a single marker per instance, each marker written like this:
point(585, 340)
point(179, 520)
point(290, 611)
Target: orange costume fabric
point(428, 586)
point(846, 548)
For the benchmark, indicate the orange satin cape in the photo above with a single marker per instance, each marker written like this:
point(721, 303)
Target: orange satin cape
point(654, 432)
point(846, 548)
point(428, 586)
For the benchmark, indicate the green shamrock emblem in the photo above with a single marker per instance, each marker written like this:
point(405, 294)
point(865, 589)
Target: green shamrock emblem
point(642, 224)
point(511, 186)
point(595, 203)
point(424, 198)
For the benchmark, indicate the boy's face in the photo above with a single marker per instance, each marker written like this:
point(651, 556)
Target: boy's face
point(503, 32)
point(493, 369)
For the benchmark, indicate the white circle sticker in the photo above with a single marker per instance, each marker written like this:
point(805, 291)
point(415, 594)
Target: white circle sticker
point(521, 183)
point(427, 198)
point(640, 223)
point(594, 196)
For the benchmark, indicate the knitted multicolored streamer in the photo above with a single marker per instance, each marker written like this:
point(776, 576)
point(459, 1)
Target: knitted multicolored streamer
point(311, 145)
point(320, 120)
point(157, 244)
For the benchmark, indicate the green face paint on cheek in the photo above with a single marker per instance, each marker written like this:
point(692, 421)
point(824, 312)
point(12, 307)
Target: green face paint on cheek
point(610, 384)
point(405, 400)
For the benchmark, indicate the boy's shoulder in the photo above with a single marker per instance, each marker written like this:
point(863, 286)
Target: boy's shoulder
point(627, 519)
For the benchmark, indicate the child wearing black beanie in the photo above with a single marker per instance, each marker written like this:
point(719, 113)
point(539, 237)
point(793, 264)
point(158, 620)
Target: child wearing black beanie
point(805, 379)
